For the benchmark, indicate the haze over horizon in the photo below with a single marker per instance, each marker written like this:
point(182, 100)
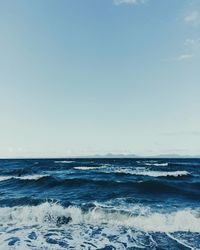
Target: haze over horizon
point(94, 77)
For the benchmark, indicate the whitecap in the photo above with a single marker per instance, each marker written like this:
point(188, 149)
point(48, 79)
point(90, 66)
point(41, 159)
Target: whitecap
point(63, 162)
point(153, 173)
point(4, 178)
point(90, 167)
point(25, 177)
point(156, 164)
point(163, 173)
point(31, 177)
point(146, 220)
point(94, 229)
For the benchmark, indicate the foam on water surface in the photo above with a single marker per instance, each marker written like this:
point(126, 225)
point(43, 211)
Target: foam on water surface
point(36, 226)
point(63, 162)
point(90, 167)
point(156, 164)
point(146, 219)
point(146, 172)
point(25, 177)
point(153, 173)
point(105, 204)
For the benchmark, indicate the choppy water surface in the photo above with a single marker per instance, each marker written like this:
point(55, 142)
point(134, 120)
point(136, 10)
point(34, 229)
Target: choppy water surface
point(100, 204)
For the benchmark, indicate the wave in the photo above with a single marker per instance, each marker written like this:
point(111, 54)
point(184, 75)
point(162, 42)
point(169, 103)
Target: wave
point(156, 164)
point(140, 171)
point(53, 213)
point(17, 171)
point(153, 173)
point(26, 177)
point(180, 242)
point(189, 164)
point(148, 186)
point(164, 174)
point(64, 162)
point(90, 167)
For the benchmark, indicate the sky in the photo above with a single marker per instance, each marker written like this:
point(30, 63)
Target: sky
point(99, 76)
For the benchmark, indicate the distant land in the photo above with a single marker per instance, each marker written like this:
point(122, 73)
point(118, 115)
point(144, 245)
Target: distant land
point(105, 156)
point(110, 155)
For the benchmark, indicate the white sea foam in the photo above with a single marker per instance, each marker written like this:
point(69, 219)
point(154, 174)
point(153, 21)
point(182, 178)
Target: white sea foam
point(146, 220)
point(153, 173)
point(99, 227)
point(90, 167)
point(63, 162)
point(25, 177)
point(180, 241)
point(156, 164)
point(160, 164)
point(31, 177)
point(4, 178)
point(163, 173)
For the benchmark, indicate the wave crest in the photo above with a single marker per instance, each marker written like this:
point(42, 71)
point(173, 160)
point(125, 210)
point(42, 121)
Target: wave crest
point(63, 162)
point(153, 173)
point(26, 177)
point(146, 220)
point(90, 167)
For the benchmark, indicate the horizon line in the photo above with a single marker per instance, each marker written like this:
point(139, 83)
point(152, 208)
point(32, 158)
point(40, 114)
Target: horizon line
point(98, 156)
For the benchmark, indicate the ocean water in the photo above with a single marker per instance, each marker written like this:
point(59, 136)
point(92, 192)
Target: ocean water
point(100, 204)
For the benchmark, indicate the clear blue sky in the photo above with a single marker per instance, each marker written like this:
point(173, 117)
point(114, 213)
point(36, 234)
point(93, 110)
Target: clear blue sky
point(96, 76)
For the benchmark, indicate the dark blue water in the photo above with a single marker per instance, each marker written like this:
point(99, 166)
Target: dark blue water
point(100, 204)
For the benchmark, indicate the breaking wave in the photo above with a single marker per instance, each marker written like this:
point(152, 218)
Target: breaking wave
point(50, 213)
point(156, 164)
point(153, 173)
point(90, 167)
point(26, 177)
point(99, 204)
point(63, 162)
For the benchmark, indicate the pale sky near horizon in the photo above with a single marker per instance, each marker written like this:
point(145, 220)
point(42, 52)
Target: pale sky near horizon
point(97, 76)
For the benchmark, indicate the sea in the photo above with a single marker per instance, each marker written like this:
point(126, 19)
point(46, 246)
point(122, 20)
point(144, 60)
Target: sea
point(103, 204)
